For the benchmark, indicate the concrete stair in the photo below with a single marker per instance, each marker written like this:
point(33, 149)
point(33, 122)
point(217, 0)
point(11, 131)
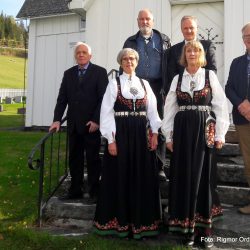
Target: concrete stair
point(232, 188)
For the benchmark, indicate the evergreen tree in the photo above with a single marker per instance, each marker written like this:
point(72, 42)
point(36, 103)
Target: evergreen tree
point(12, 33)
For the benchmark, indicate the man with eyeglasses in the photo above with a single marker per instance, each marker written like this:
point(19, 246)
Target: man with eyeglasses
point(238, 92)
point(151, 46)
point(189, 28)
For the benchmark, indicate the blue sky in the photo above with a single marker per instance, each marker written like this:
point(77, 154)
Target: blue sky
point(11, 7)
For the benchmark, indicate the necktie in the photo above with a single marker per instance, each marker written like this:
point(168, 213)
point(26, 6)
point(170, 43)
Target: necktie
point(81, 72)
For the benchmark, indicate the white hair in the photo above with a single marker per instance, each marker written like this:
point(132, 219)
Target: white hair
point(79, 44)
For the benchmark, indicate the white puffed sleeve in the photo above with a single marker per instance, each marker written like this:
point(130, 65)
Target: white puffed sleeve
point(107, 119)
point(219, 107)
point(170, 109)
point(152, 113)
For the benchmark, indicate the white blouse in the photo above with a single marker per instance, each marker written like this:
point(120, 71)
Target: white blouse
point(107, 119)
point(219, 103)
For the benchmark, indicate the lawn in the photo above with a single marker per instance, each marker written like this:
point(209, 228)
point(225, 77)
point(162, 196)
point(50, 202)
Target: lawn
point(11, 72)
point(9, 117)
point(18, 198)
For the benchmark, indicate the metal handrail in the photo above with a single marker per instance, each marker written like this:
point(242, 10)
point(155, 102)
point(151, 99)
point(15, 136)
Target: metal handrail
point(40, 165)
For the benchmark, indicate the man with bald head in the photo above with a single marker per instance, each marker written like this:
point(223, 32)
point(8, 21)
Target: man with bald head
point(82, 90)
point(151, 46)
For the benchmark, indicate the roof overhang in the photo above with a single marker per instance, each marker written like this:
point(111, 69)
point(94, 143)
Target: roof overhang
point(80, 6)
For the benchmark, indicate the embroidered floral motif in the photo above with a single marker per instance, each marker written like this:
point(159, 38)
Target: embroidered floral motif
point(199, 96)
point(114, 224)
point(152, 227)
point(128, 102)
point(190, 223)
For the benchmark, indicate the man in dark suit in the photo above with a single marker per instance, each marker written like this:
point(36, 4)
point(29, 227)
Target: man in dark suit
point(82, 90)
point(189, 31)
point(238, 92)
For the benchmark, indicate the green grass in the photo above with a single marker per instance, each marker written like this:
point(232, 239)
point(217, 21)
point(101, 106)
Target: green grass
point(9, 117)
point(11, 73)
point(18, 201)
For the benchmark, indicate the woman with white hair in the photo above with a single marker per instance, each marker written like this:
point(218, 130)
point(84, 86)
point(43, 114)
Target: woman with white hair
point(128, 202)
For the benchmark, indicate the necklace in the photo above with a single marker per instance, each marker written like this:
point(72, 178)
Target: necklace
point(192, 85)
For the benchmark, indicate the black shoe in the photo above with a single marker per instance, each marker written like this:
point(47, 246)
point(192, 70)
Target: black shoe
point(207, 245)
point(91, 200)
point(205, 242)
point(71, 196)
point(162, 176)
point(188, 241)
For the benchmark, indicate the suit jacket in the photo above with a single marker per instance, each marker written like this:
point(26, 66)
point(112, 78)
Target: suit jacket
point(236, 87)
point(82, 98)
point(174, 54)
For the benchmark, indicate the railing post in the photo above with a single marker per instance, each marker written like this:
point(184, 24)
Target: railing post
point(41, 178)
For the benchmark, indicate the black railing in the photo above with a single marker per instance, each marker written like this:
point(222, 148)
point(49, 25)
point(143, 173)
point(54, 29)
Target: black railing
point(50, 157)
point(51, 154)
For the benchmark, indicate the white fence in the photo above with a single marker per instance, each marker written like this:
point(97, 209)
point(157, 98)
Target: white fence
point(12, 93)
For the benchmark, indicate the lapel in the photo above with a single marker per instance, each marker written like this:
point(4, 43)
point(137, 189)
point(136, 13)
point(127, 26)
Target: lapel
point(179, 50)
point(74, 78)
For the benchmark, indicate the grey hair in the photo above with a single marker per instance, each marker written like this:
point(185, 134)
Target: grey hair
point(193, 18)
point(79, 44)
point(146, 10)
point(126, 51)
point(244, 27)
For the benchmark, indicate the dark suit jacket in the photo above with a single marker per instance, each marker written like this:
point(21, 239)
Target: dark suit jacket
point(236, 87)
point(174, 54)
point(83, 99)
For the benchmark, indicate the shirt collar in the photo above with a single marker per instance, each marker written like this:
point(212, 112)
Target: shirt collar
point(195, 39)
point(185, 73)
point(84, 67)
point(147, 37)
point(126, 76)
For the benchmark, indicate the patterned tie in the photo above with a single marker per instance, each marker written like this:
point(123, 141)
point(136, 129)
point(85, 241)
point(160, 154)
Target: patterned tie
point(81, 73)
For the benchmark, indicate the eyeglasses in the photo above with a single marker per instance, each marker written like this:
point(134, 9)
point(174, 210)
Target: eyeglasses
point(246, 37)
point(128, 59)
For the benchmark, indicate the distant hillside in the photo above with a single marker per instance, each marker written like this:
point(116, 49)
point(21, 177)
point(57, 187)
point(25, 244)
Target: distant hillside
point(11, 73)
point(12, 33)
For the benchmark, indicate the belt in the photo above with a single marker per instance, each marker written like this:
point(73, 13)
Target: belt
point(127, 113)
point(195, 107)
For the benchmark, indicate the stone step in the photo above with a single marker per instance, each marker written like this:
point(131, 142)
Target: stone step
point(77, 213)
point(234, 195)
point(229, 170)
point(231, 135)
point(231, 173)
point(229, 149)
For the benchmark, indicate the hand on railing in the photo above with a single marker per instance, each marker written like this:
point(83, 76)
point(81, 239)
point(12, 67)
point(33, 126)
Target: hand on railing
point(55, 126)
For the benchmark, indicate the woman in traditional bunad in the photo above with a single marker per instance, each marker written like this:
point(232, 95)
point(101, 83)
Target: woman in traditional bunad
point(195, 99)
point(129, 201)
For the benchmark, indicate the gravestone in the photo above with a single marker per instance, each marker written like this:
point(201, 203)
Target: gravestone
point(8, 100)
point(21, 111)
point(18, 99)
point(1, 108)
